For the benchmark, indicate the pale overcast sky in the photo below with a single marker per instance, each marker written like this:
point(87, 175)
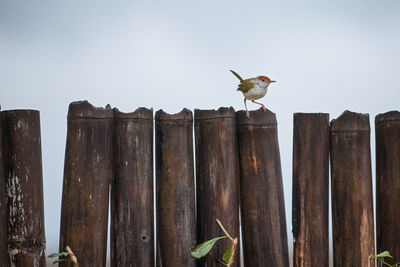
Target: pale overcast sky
point(327, 56)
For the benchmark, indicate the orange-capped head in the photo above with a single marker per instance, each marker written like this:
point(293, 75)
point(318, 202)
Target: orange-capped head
point(265, 79)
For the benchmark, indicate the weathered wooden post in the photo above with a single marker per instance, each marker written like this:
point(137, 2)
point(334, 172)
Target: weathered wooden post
point(87, 174)
point(387, 128)
point(262, 200)
point(24, 184)
point(176, 226)
point(132, 223)
point(352, 209)
point(3, 206)
point(310, 193)
point(217, 179)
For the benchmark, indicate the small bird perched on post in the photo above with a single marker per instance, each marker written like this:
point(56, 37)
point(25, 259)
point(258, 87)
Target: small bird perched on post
point(253, 89)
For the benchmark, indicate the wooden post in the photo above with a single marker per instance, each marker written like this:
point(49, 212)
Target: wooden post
point(3, 207)
point(24, 185)
point(87, 174)
point(132, 223)
point(176, 226)
point(261, 189)
point(310, 193)
point(352, 211)
point(387, 128)
point(217, 178)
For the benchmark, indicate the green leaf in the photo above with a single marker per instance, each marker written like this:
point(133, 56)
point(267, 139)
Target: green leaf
point(227, 254)
point(62, 254)
point(202, 249)
point(60, 260)
point(384, 262)
point(383, 255)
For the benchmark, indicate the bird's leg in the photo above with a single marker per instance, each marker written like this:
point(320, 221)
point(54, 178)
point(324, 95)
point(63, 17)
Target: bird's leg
point(247, 111)
point(262, 105)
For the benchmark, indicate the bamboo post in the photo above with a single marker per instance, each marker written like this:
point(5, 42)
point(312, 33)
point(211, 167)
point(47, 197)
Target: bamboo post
point(217, 178)
point(3, 206)
point(311, 189)
point(387, 128)
point(261, 189)
point(87, 174)
point(132, 220)
point(352, 209)
point(24, 185)
point(176, 226)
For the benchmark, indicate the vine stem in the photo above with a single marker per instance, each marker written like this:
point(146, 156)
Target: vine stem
point(72, 256)
point(224, 230)
point(231, 257)
point(234, 242)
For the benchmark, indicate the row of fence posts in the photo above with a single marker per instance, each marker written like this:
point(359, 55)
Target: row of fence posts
point(237, 160)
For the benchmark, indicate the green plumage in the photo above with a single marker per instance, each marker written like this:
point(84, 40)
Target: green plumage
point(245, 85)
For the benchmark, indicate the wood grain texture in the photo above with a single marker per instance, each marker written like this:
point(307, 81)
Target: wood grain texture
point(87, 175)
point(352, 209)
point(387, 127)
point(261, 190)
point(217, 178)
point(310, 194)
point(3, 206)
point(176, 225)
point(24, 185)
point(132, 222)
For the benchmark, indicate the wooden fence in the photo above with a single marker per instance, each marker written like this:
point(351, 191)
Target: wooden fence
point(207, 163)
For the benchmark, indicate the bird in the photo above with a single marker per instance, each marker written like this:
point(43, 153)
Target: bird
point(253, 89)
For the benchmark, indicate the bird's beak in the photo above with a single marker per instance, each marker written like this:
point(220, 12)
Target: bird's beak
point(273, 81)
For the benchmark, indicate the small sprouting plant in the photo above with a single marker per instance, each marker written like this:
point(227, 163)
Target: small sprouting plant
point(65, 256)
point(381, 258)
point(205, 247)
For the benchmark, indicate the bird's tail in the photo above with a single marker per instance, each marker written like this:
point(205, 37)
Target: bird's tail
point(237, 75)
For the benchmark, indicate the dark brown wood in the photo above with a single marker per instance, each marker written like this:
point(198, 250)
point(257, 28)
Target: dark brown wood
point(24, 185)
point(87, 174)
point(132, 222)
point(176, 225)
point(310, 194)
point(387, 127)
point(217, 178)
point(352, 210)
point(3, 207)
point(261, 189)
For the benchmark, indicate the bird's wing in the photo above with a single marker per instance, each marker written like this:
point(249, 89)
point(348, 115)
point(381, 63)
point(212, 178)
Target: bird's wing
point(246, 85)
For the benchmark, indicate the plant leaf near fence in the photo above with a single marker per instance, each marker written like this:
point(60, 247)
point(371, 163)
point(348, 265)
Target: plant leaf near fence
point(202, 249)
point(383, 255)
point(227, 254)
